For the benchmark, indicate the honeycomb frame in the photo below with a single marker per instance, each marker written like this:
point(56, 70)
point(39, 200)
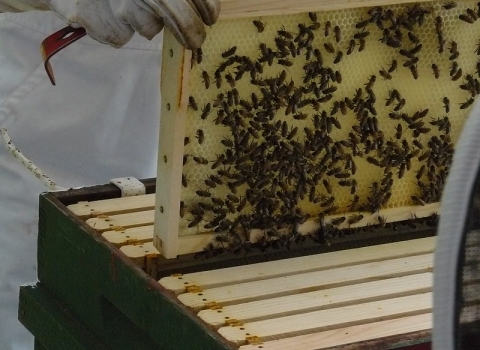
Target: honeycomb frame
point(180, 80)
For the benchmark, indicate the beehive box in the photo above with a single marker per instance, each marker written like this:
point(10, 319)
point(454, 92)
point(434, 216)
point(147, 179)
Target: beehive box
point(291, 169)
point(92, 296)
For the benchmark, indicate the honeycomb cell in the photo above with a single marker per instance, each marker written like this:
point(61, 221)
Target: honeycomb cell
point(368, 147)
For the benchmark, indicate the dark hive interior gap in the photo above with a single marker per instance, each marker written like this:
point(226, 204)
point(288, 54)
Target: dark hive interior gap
point(295, 117)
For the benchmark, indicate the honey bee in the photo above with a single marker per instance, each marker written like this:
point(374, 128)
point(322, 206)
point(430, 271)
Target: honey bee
point(329, 47)
point(231, 51)
point(466, 18)
point(327, 186)
point(413, 38)
point(218, 79)
point(338, 221)
point(393, 66)
point(418, 144)
point(398, 134)
point(449, 5)
point(400, 105)
point(414, 71)
point(361, 46)
point(436, 71)
point(230, 80)
point(182, 209)
point(393, 42)
point(206, 111)
point(351, 46)
point(206, 79)
point(417, 200)
point(355, 219)
point(283, 33)
point(411, 62)
point(362, 23)
point(200, 160)
point(421, 172)
point(202, 193)
point(285, 62)
point(338, 33)
point(328, 25)
point(338, 57)
point(195, 221)
point(259, 25)
point(200, 136)
point(197, 56)
point(473, 15)
point(361, 35)
point(313, 17)
point(467, 103)
point(300, 116)
point(385, 75)
point(446, 104)
point(382, 221)
point(184, 181)
point(192, 103)
point(457, 75)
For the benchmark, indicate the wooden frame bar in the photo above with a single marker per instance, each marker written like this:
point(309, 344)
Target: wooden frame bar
point(255, 8)
point(175, 72)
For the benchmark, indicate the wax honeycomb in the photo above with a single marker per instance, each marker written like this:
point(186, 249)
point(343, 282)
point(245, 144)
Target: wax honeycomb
point(356, 69)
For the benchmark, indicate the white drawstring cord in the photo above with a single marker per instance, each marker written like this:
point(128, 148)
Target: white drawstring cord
point(35, 170)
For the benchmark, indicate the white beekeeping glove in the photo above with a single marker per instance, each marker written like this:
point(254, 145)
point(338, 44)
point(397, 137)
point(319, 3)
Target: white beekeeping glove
point(113, 22)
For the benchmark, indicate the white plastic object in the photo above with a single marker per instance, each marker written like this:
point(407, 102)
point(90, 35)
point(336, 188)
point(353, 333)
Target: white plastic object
point(129, 186)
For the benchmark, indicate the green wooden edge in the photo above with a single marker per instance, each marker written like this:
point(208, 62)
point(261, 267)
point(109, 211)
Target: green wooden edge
point(38, 345)
point(53, 327)
point(109, 294)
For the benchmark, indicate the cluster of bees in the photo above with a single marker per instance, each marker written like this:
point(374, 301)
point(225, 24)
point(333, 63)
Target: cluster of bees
point(282, 154)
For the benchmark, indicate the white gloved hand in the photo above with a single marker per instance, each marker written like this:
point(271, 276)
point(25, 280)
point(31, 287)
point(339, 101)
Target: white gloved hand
point(113, 22)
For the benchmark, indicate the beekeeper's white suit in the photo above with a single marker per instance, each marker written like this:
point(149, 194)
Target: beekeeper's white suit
point(99, 122)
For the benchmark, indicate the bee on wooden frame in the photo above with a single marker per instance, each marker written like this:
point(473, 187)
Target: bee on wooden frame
point(184, 181)
point(338, 57)
point(197, 56)
point(414, 71)
point(200, 160)
point(382, 221)
point(206, 111)
point(361, 35)
point(231, 51)
point(466, 18)
point(436, 71)
point(338, 34)
point(355, 219)
point(192, 103)
point(361, 46)
point(449, 5)
point(385, 75)
point(467, 103)
point(196, 220)
point(446, 104)
point(206, 79)
point(259, 25)
point(328, 25)
point(329, 47)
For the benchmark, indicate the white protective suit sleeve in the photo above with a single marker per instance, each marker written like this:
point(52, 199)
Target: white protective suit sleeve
point(113, 22)
point(100, 122)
